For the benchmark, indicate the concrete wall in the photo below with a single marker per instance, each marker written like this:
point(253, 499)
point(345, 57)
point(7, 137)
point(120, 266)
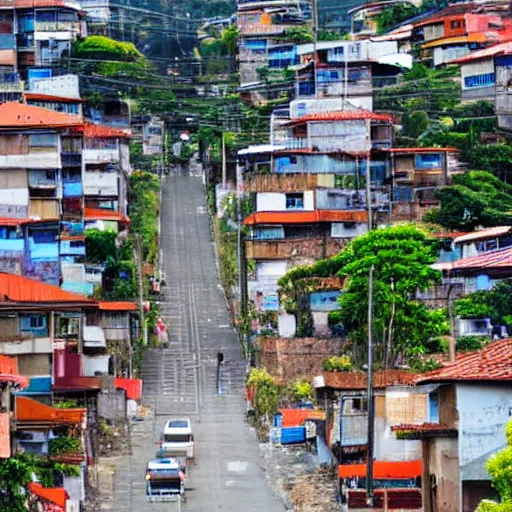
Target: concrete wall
point(442, 456)
point(66, 86)
point(276, 202)
point(484, 411)
point(34, 364)
point(112, 405)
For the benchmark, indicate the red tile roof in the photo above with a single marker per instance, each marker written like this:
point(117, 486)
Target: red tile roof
point(117, 306)
point(100, 214)
point(493, 363)
point(19, 115)
point(291, 217)
point(358, 380)
point(383, 470)
point(501, 258)
point(486, 53)
point(56, 495)
point(297, 417)
point(37, 96)
point(25, 4)
point(19, 289)
point(345, 115)
point(98, 131)
point(31, 411)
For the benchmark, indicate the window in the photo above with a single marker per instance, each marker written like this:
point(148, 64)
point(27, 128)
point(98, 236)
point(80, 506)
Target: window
point(268, 233)
point(456, 24)
point(43, 140)
point(34, 324)
point(68, 326)
point(484, 80)
point(430, 161)
point(294, 201)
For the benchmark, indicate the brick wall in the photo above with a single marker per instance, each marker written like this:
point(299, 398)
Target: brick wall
point(316, 248)
point(289, 359)
point(280, 182)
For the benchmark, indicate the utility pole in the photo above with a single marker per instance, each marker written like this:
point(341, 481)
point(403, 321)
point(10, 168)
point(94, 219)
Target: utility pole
point(452, 344)
point(371, 409)
point(314, 5)
point(138, 260)
point(224, 163)
point(369, 175)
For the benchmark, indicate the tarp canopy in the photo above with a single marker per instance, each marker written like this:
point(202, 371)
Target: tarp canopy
point(383, 470)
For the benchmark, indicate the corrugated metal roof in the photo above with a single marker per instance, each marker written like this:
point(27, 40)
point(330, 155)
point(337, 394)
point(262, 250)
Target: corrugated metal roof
point(19, 115)
point(501, 258)
point(492, 51)
point(383, 470)
point(117, 306)
point(37, 96)
point(20, 289)
point(484, 233)
point(289, 217)
point(100, 214)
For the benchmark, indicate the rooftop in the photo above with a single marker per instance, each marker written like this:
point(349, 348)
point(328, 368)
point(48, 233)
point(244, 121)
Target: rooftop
point(312, 217)
point(25, 4)
point(486, 53)
point(484, 233)
point(492, 363)
point(20, 290)
point(98, 131)
point(38, 96)
point(19, 115)
point(358, 380)
point(345, 115)
point(502, 258)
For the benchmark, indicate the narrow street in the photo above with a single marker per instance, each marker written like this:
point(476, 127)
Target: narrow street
point(180, 381)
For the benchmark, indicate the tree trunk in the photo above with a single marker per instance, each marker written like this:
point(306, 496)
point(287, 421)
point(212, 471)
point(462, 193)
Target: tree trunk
point(389, 347)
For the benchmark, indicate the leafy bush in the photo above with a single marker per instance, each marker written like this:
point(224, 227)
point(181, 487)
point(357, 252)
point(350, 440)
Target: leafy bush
point(266, 391)
point(302, 390)
point(470, 343)
point(64, 445)
point(299, 34)
point(338, 364)
point(67, 404)
point(472, 307)
point(100, 245)
point(415, 123)
point(420, 365)
point(101, 47)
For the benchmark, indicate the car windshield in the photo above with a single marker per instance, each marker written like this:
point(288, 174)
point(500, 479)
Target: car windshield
point(177, 438)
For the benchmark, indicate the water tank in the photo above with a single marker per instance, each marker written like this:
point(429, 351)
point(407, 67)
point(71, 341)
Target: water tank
point(319, 382)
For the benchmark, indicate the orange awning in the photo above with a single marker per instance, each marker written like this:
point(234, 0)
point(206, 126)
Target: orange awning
point(117, 306)
point(101, 214)
point(289, 217)
point(32, 411)
point(297, 417)
point(383, 470)
point(133, 387)
point(56, 495)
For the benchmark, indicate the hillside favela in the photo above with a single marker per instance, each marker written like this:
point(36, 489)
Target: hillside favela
point(255, 255)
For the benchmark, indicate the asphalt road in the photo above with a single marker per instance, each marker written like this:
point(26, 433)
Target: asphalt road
point(180, 381)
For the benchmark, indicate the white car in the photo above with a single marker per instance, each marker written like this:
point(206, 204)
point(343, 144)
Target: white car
point(178, 439)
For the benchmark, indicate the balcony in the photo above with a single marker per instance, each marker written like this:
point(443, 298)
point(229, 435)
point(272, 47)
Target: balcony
point(280, 182)
point(101, 184)
point(293, 248)
point(43, 160)
point(101, 156)
point(25, 344)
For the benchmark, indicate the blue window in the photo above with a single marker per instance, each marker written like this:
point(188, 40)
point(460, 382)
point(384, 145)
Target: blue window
point(485, 80)
point(430, 161)
point(268, 233)
point(294, 201)
point(433, 407)
point(35, 324)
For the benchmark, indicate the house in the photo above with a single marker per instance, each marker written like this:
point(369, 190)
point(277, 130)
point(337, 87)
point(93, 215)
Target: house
point(59, 336)
point(41, 172)
point(479, 72)
point(334, 16)
point(38, 425)
point(107, 167)
point(344, 69)
point(261, 24)
point(37, 34)
point(469, 403)
point(450, 36)
point(397, 463)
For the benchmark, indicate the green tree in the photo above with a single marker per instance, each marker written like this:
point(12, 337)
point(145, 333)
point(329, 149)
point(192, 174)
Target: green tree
point(498, 467)
point(402, 257)
point(229, 38)
point(475, 199)
point(15, 473)
point(100, 245)
point(415, 123)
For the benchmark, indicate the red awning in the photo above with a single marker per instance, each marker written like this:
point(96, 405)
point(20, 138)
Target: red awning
point(55, 495)
point(297, 417)
point(308, 217)
point(9, 372)
point(117, 306)
point(383, 470)
point(32, 411)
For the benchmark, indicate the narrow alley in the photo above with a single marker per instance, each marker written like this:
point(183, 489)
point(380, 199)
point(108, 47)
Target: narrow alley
point(180, 381)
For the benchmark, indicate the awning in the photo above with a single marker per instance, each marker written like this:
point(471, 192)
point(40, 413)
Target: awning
point(297, 417)
point(383, 470)
point(29, 411)
point(56, 495)
point(311, 217)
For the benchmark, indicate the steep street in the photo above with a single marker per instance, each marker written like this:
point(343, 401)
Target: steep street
point(180, 381)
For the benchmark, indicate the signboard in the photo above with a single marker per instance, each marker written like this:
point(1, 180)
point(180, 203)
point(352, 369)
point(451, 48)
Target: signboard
point(270, 303)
